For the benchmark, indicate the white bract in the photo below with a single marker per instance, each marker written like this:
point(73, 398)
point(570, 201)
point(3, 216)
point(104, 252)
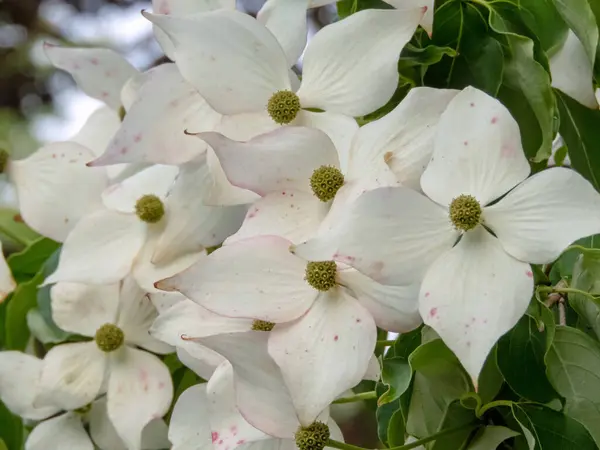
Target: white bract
point(137, 384)
point(475, 284)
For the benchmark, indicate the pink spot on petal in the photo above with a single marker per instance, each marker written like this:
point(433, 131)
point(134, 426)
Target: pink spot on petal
point(138, 138)
point(358, 321)
point(241, 441)
point(432, 312)
point(215, 436)
point(94, 61)
point(104, 94)
point(427, 294)
point(220, 441)
point(233, 430)
point(529, 273)
point(466, 143)
point(472, 105)
point(336, 338)
point(494, 119)
point(161, 385)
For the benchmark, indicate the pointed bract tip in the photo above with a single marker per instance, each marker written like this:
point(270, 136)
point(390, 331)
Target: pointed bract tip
point(164, 285)
point(424, 9)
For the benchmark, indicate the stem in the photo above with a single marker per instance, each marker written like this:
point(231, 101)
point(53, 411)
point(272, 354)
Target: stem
point(491, 405)
point(13, 236)
point(342, 445)
point(562, 314)
point(433, 437)
point(358, 397)
point(568, 291)
point(384, 344)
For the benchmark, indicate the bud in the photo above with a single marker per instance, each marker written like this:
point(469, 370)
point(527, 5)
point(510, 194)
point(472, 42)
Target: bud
point(313, 437)
point(283, 107)
point(465, 212)
point(150, 208)
point(109, 337)
point(325, 182)
point(321, 274)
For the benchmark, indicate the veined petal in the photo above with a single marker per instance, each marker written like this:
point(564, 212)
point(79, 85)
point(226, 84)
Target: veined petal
point(72, 375)
point(261, 394)
point(190, 427)
point(538, 219)
point(234, 61)
point(343, 57)
point(427, 20)
point(136, 315)
point(131, 89)
point(100, 249)
point(163, 301)
point(203, 361)
point(98, 130)
point(190, 224)
point(477, 151)
point(325, 352)
point(245, 126)
point(153, 130)
point(7, 282)
point(389, 234)
point(83, 308)
point(228, 427)
point(65, 432)
point(490, 292)
point(183, 8)
point(401, 140)
point(155, 180)
point(286, 19)
point(189, 320)
point(293, 215)
point(394, 308)
point(99, 72)
point(139, 390)
point(339, 127)
point(572, 72)
point(56, 189)
point(264, 165)
point(255, 278)
point(18, 370)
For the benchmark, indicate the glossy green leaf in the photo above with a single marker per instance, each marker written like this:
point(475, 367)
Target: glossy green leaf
point(490, 379)
point(491, 437)
point(579, 16)
point(13, 228)
point(3, 445)
point(23, 299)
point(406, 343)
point(563, 268)
point(11, 428)
point(586, 277)
point(520, 358)
point(396, 429)
point(455, 416)
point(384, 414)
point(574, 369)
point(348, 7)
point(396, 374)
point(27, 263)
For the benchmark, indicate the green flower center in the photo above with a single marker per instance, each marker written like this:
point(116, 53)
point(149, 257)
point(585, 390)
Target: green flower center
point(262, 325)
point(150, 209)
point(321, 274)
point(3, 160)
point(312, 437)
point(283, 107)
point(325, 182)
point(465, 212)
point(84, 409)
point(122, 113)
point(109, 337)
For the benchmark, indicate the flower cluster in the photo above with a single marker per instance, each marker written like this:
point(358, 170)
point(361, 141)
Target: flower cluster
point(226, 208)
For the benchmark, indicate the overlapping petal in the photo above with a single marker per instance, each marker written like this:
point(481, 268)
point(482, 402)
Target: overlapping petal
point(64, 431)
point(190, 428)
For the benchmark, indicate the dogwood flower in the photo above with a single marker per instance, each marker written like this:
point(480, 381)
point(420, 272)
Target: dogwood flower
point(475, 284)
point(138, 385)
point(7, 282)
point(325, 333)
point(60, 429)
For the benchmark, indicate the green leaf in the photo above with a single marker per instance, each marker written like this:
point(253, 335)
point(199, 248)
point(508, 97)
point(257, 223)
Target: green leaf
point(439, 380)
point(396, 429)
point(563, 268)
point(23, 299)
point(43, 331)
point(11, 428)
point(490, 379)
point(3, 445)
point(384, 414)
point(406, 343)
point(520, 359)
point(27, 263)
point(581, 133)
point(574, 370)
point(579, 16)
point(455, 416)
point(491, 437)
point(396, 374)
point(348, 7)
point(586, 277)
point(13, 227)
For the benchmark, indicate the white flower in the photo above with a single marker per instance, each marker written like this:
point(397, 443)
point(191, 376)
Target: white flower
point(324, 337)
point(138, 385)
point(476, 289)
point(20, 372)
point(7, 282)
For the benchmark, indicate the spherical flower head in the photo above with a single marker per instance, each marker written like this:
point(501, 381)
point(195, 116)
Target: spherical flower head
point(109, 337)
point(312, 437)
point(283, 107)
point(325, 182)
point(465, 212)
point(3, 160)
point(321, 274)
point(262, 325)
point(150, 208)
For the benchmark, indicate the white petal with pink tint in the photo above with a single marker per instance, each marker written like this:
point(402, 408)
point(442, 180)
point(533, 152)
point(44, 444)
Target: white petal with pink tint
point(255, 278)
point(139, 390)
point(153, 130)
point(64, 431)
point(201, 360)
point(477, 151)
point(98, 130)
point(222, 192)
point(83, 308)
point(325, 352)
point(99, 72)
point(155, 180)
point(293, 215)
point(389, 234)
point(394, 308)
point(401, 140)
point(190, 427)
point(245, 126)
point(490, 292)
point(264, 165)
point(17, 370)
point(373, 372)
point(100, 249)
point(72, 375)
point(341, 60)
point(228, 427)
point(56, 189)
point(539, 218)
point(427, 20)
point(234, 61)
point(7, 282)
point(261, 394)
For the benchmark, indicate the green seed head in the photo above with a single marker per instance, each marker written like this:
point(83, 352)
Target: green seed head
point(150, 209)
point(3, 160)
point(312, 437)
point(321, 274)
point(122, 113)
point(262, 325)
point(109, 337)
point(283, 107)
point(465, 212)
point(325, 182)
